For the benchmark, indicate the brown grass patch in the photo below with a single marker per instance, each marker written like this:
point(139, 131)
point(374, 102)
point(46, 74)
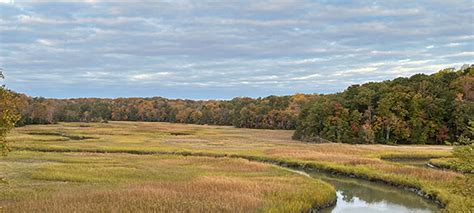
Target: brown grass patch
point(417, 172)
point(205, 194)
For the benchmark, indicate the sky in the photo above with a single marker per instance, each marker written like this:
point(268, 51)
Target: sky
point(222, 49)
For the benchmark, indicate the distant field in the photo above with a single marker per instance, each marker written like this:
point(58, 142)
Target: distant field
point(113, 176)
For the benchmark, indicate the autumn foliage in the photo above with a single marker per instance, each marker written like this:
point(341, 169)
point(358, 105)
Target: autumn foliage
point(8, 115)
point(421, 109)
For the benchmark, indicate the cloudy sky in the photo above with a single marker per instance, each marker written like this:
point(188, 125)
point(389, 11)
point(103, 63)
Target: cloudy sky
point(222, 49)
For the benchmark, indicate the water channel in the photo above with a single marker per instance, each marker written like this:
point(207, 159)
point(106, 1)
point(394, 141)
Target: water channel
point(355, 195)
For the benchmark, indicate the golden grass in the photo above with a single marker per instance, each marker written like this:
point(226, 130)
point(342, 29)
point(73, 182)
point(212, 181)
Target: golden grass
point(91, 182)
point(206, 194)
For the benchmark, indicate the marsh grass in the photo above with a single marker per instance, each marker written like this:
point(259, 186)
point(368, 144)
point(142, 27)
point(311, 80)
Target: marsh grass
point(452, 163)
point(93, 182)
point(362, 161)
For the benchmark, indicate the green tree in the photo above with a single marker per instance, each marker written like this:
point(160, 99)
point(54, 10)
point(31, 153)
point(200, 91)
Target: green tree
point(464, 152)
point(421, 109)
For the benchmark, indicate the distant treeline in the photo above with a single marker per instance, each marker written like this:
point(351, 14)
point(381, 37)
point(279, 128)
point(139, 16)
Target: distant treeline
point(422, 109)
point(273, 112)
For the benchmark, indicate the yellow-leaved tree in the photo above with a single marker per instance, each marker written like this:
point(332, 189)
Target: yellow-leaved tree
point(8, 115)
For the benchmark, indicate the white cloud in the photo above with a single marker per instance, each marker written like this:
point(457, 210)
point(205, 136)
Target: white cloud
point(455, 44)
point(307, 61)
point(459, 54)
point(316, 75)
point(149, 76)
point(32, 19)
point(7, 1)
point(46, 42)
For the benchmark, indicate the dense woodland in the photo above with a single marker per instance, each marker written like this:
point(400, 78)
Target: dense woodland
point(422, 109)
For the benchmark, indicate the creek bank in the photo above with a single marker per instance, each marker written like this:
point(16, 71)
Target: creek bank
point(427, 162)
point(412, 161)
point(318, 208)
point(309, 167)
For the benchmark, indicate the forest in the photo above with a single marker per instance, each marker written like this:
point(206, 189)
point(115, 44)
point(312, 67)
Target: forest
point(421, 109)
point(270, 113)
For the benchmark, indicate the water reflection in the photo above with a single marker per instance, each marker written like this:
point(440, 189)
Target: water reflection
point(355, 195)
point(420, 162)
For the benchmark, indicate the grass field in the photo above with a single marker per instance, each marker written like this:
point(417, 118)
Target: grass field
point(46, 173)
point(90, 182)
